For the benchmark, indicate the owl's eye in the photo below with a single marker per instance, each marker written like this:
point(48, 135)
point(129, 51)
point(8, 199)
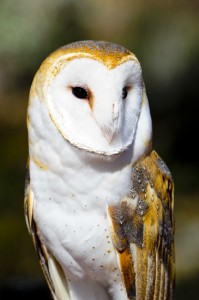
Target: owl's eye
point(124, 92)
point(80, 92)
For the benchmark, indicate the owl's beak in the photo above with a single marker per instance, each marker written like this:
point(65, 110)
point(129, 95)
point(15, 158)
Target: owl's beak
point(110, 131)
point(108, 134)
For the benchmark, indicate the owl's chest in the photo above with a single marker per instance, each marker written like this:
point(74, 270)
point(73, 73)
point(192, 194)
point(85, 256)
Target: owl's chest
point(77, 186)
point(71, 214)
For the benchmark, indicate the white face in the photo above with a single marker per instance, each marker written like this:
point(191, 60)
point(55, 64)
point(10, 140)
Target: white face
point(95, 108)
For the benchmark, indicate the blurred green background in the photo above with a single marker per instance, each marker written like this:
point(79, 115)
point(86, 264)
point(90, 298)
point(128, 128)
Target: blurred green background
point(164, 35)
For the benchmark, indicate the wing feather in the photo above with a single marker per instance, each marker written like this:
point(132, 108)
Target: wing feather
point(52, 270)
point(142, 227)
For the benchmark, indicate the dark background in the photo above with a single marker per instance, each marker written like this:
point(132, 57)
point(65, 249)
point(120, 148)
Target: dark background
point(164, 35)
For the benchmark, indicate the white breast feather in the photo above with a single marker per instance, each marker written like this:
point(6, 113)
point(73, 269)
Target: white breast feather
point(71, 199)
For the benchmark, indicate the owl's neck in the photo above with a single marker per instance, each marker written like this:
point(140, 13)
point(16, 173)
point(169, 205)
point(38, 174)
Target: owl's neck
point(77, 174)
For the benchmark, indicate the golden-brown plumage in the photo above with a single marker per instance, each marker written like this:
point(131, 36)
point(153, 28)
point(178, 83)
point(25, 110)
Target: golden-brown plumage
point(143, 232)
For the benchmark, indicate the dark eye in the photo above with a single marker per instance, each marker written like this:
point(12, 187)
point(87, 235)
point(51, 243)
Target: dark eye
point(80, 92)
point(124, 93)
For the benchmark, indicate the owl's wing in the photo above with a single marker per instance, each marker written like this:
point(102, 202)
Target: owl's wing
point(142, 227)
point(53, 273)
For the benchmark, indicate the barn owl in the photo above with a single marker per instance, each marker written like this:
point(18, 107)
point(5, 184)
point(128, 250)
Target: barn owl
point(98, 198)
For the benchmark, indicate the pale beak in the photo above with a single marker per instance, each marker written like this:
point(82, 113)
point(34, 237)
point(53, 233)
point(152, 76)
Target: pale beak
point(110, 131)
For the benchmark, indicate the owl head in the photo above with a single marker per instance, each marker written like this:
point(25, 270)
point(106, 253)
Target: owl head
point(95, 97)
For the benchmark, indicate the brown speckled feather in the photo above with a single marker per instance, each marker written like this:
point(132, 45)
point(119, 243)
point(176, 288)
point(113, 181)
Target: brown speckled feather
point(142, 227)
